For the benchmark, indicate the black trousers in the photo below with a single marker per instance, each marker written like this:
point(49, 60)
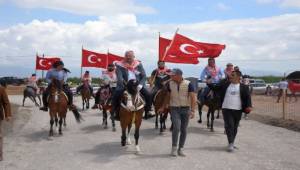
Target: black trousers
point(231, 120)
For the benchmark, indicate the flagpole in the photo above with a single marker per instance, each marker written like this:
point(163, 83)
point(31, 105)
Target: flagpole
point(81, 62)
point(107, 58)
point(35, 62)
point(170, 44)
point(43, 70)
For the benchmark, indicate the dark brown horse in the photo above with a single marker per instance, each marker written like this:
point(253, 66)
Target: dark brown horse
point(32, 94)
point(85, 95)
point(106, 106)
point(131, 112)
point(213, 102)
point(158, 101)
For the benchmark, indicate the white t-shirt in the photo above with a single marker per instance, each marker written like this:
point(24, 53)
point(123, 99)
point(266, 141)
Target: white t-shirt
point(232, 98)
point(283, 85)
point(131, 75)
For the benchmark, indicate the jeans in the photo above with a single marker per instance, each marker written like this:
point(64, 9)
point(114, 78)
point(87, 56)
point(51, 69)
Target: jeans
point(180, 120)
point(231, 121)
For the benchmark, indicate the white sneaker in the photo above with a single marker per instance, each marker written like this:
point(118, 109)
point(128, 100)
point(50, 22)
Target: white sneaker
point(174, 151)
point(180, 152)
point(230, 147)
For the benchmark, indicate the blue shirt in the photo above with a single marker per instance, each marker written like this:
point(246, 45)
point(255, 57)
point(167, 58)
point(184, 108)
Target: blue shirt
point(205, 74)
point(59, 75)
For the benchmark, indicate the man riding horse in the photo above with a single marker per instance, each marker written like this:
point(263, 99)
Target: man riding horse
point(130, 69)
point(32, 82)
point(109, 78)
point(158, 76)
point(58, 72)
point(214, 74)
point(86, 80)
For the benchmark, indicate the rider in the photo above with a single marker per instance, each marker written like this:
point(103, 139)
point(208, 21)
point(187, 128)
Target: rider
point(32, 82)
point(229, 69)
point(158, 76)
point(60, 73)
point(130, 69)
point(211, 71)
point(86, 78)
point(108, 77)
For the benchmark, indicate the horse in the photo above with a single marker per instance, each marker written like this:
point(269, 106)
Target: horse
point(131, 112)
point(213, 102)
point(106, 106)
point(158, 101)
point(58, 106)
point(32, 94)
point(85, 95)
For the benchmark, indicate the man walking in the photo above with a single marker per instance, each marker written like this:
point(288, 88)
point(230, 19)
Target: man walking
point(181, 100)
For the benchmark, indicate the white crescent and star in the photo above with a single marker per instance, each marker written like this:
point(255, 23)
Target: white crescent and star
point(41, 63)
point(183, 49)
point(90, 59)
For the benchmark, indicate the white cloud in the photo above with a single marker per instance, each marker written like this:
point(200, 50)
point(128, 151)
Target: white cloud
point(222, 7)
point(282, 3)
point(273, 38)
point(87, 7)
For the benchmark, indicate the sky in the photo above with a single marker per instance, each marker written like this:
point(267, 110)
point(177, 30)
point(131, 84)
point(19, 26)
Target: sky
point(261, 36)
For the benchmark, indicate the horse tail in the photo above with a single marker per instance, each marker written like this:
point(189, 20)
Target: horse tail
point(77, 115)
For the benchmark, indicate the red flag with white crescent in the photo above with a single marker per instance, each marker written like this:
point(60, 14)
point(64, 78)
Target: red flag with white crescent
point(45, 63)
point(93, 59)
point(164, 45)
point(185, 47)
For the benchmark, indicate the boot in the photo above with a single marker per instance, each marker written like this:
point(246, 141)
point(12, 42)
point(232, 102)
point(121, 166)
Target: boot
point(45, 103)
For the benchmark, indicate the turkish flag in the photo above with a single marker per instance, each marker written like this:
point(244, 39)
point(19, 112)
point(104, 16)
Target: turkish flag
point(185, 47)
point(164, 44)
point(112, 57)
point(92, 59)
point(42, 63)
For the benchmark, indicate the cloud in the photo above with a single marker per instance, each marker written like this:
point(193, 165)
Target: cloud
point(282, 3)
point(248, 41)
point(88, 7)
point(222, 7)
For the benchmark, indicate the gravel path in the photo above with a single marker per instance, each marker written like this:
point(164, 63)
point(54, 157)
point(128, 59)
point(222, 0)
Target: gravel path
point(87, 146)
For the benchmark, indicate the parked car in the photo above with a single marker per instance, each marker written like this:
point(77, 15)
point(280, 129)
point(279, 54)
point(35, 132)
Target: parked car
point(12, 81)
point(257, 86)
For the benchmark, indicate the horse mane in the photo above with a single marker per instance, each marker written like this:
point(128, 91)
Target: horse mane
point(131, 87)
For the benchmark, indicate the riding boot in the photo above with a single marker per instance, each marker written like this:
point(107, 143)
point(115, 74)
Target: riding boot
point(45, 100)
point(97, 100)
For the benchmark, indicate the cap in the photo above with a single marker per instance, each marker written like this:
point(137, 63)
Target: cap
point(176, 71)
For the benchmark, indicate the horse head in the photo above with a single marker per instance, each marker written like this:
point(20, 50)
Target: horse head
point(131, 87)
point(131, 99)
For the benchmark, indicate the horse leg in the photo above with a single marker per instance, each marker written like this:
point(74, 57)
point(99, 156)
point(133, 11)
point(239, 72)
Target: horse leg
point(23, 100)
point(164, 120)
point(87, 103)
point(156, 121)
point(136, 137)
point(104, 123)
point(161, 123)
point(60, 125)
point(200, 106)
point(35, 102)
point(65, 124)
point(113, 122)
point(212, 120)
point(51, 127)
point(218, 116)
point(82, 103)
point(56, 123)
point(208, 113)
point(123, 137)
point(128, 134)
point(39, 97)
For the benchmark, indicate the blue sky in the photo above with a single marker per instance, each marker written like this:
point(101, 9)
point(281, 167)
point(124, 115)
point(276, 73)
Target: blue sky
point(255, 31)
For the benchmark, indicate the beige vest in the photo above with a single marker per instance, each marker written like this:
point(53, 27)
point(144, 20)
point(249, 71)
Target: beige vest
point(180, 98)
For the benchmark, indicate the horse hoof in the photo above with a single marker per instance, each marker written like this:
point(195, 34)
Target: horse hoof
point(138, 150)
point(156, 127)
point(114, 129)
point(105, 126)
point(212, 130)
point(218, 117)
point(199, 121)
point(128, 141)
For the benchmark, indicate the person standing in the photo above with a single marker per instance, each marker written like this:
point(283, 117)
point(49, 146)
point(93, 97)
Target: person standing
point(283, 86)
point(235, 99)
point(181, 100)
point(5, 114)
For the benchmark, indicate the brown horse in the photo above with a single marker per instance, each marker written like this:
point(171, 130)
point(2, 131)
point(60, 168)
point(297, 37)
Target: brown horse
point(106, 106)
point(158, 101)
point(131, 112)
point(58, 105)
point(85, 95)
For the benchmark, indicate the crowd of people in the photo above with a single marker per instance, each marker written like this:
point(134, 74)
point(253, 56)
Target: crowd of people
point(235, 96)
